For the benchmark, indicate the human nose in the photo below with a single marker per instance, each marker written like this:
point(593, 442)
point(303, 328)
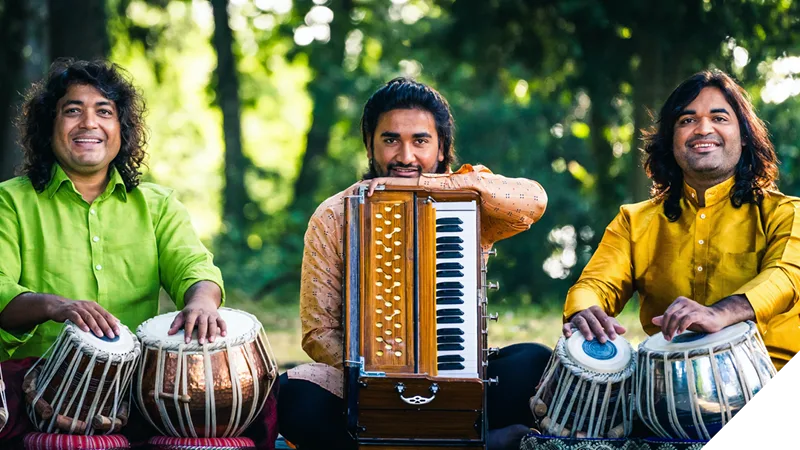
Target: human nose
point(88, 120)
point(704, 127)
point(406, 154)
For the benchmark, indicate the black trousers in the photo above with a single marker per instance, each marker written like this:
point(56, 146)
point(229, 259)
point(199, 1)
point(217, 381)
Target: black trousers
point(313, 418)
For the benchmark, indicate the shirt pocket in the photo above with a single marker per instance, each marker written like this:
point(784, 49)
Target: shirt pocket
point(736, 269)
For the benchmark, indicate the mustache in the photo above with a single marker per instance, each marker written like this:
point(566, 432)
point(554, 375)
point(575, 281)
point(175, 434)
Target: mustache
point(398, 165)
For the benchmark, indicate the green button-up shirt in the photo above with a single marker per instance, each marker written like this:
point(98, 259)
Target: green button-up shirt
point(118, 251)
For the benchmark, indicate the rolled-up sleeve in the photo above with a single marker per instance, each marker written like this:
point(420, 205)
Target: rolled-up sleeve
point(182, 259)
point(607, 281)
point(508, 205)
point(10, 268)
point(775, 289)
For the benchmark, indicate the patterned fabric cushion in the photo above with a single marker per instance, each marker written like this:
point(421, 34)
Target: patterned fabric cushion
point(535, 441)
point(175, 443)
point(47, 441)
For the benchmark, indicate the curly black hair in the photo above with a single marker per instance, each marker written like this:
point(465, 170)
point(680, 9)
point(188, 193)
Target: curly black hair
point(35, 123)
point(405, 93)
point(757, 169)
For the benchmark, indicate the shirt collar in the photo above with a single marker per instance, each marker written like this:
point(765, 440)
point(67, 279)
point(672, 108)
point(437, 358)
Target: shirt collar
point(59, 177)
point(713, 195)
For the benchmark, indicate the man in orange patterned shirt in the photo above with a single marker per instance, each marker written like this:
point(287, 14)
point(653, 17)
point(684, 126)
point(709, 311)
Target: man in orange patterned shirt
point(407, 131)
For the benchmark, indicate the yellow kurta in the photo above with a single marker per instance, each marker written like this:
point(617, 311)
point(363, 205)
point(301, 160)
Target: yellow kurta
point(708, 254)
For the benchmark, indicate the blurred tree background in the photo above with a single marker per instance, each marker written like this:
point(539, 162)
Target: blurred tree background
point(254, 109)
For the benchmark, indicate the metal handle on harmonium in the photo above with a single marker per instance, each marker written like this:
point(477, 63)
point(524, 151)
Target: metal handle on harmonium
point(492, 316)
point(417, 399)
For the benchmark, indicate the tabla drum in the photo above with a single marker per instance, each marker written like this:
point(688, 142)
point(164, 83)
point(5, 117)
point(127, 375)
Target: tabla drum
point(688, 388)
point(586, 389)
point(204, 390)
point(81, 384)
point(3, 404)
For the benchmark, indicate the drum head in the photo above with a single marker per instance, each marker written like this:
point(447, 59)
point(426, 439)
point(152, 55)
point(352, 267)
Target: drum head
point(611, 357)
point(240, 326)
point(690, 340)
point(120, 345)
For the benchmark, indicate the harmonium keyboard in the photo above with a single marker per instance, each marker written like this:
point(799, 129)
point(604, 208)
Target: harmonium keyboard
point(415, 320)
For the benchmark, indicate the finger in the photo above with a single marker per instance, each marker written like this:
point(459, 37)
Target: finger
point(223, 326)
point(672, 319)
point(372, 185)
point(608, 327)
point(113, 322)
point(685, 322)
point(76, 318)
point(202, 328)
point(583, 326)
point(177, 324)
point(188, 327)
point(619, 328)
point(102, 323)
point(597, 328)
point(566, 330)
point(658, 320)
point(91, 322)
point(668, 317)
point(212, 328)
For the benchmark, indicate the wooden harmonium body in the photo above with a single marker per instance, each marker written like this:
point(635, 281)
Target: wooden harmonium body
point(415, 320)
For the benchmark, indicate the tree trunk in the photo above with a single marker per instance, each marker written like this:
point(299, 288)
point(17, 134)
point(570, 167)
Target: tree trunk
point(235, 196)
point(326, 63)
point(23, 61)
point(78, 29)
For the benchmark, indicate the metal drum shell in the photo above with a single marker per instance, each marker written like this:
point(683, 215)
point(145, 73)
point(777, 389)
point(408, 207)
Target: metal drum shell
point(702, 386)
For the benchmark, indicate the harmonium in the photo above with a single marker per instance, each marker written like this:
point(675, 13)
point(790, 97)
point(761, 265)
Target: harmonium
point(415, 320)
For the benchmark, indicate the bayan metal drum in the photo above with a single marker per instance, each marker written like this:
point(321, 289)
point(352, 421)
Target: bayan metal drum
point(586, 389)
point(81, 384)
point(690, 387)
point(204, 390)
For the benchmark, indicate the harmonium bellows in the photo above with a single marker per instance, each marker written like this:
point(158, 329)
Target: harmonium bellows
point(415, 319)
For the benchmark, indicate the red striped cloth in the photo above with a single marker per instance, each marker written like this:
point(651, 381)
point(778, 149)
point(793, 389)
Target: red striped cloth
point(176, 443)
point(47, 441)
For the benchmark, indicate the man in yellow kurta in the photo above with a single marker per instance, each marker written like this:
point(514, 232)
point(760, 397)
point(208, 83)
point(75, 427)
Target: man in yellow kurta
point(717, 243)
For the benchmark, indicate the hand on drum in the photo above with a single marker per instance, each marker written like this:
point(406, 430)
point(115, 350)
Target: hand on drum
point(204, 317)
point(686, 314)
point(87, 315)
point(592, 322)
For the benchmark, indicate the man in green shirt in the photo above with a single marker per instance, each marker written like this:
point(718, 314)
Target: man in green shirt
point(81, 238)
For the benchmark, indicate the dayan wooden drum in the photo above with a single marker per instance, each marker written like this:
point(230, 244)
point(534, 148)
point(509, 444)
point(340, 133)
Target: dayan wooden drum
point(204, 390)
point(691, 386)
point(586, 389)
point(81, 384)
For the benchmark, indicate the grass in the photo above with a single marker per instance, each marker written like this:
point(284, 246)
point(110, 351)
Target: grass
point(521, 324)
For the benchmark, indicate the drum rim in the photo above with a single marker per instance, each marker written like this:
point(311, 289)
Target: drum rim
point(194, 346)
point(102, 355)
point(748, 334)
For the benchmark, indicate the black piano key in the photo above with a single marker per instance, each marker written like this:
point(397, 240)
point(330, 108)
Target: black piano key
point(450, 358)
point(450, 266)
point(449, 293)
point(449, 347)
point(449, 255)
point(449, 340)
point(449, 247)
point(448, 229)
point(449, 301)
point(449, 285)
point(449, 274)
point(449, 240)
point(449, 312)
point(450, 366)
point(449, 221)
point(449, 320)
point(450, 332)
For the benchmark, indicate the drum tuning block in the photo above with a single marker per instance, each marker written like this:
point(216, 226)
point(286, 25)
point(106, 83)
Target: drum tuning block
point(493, 285)
point(492, 316)
point(492, 381)
point(492, 252)
point(491, 351)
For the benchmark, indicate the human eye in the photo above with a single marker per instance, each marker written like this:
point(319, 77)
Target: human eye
point(106, 112)
point(685, 120)
point(389, 140)
point(422, 141)
point(720, 119)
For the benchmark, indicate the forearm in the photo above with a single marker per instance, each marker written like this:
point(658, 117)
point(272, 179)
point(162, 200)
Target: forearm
point(28, 310)
point(734, 309)
point(204, 291)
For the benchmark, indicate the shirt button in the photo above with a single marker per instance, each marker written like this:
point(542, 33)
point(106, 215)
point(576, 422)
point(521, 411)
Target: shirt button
point(98, 267)
point(92, 212)
point(97, 238)
point(702, 216)
point(692, 194)
point(701, 242)
point(699, 268)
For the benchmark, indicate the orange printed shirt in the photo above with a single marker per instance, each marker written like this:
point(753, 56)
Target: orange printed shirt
point(508, 206)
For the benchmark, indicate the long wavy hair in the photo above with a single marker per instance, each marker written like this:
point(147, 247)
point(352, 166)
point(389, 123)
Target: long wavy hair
point(405, 93)
point(35, 123)
point(757, 169)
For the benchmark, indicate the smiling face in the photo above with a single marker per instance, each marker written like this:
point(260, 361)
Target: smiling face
point(707, 141)
point(86, 131)
point(405, 144)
